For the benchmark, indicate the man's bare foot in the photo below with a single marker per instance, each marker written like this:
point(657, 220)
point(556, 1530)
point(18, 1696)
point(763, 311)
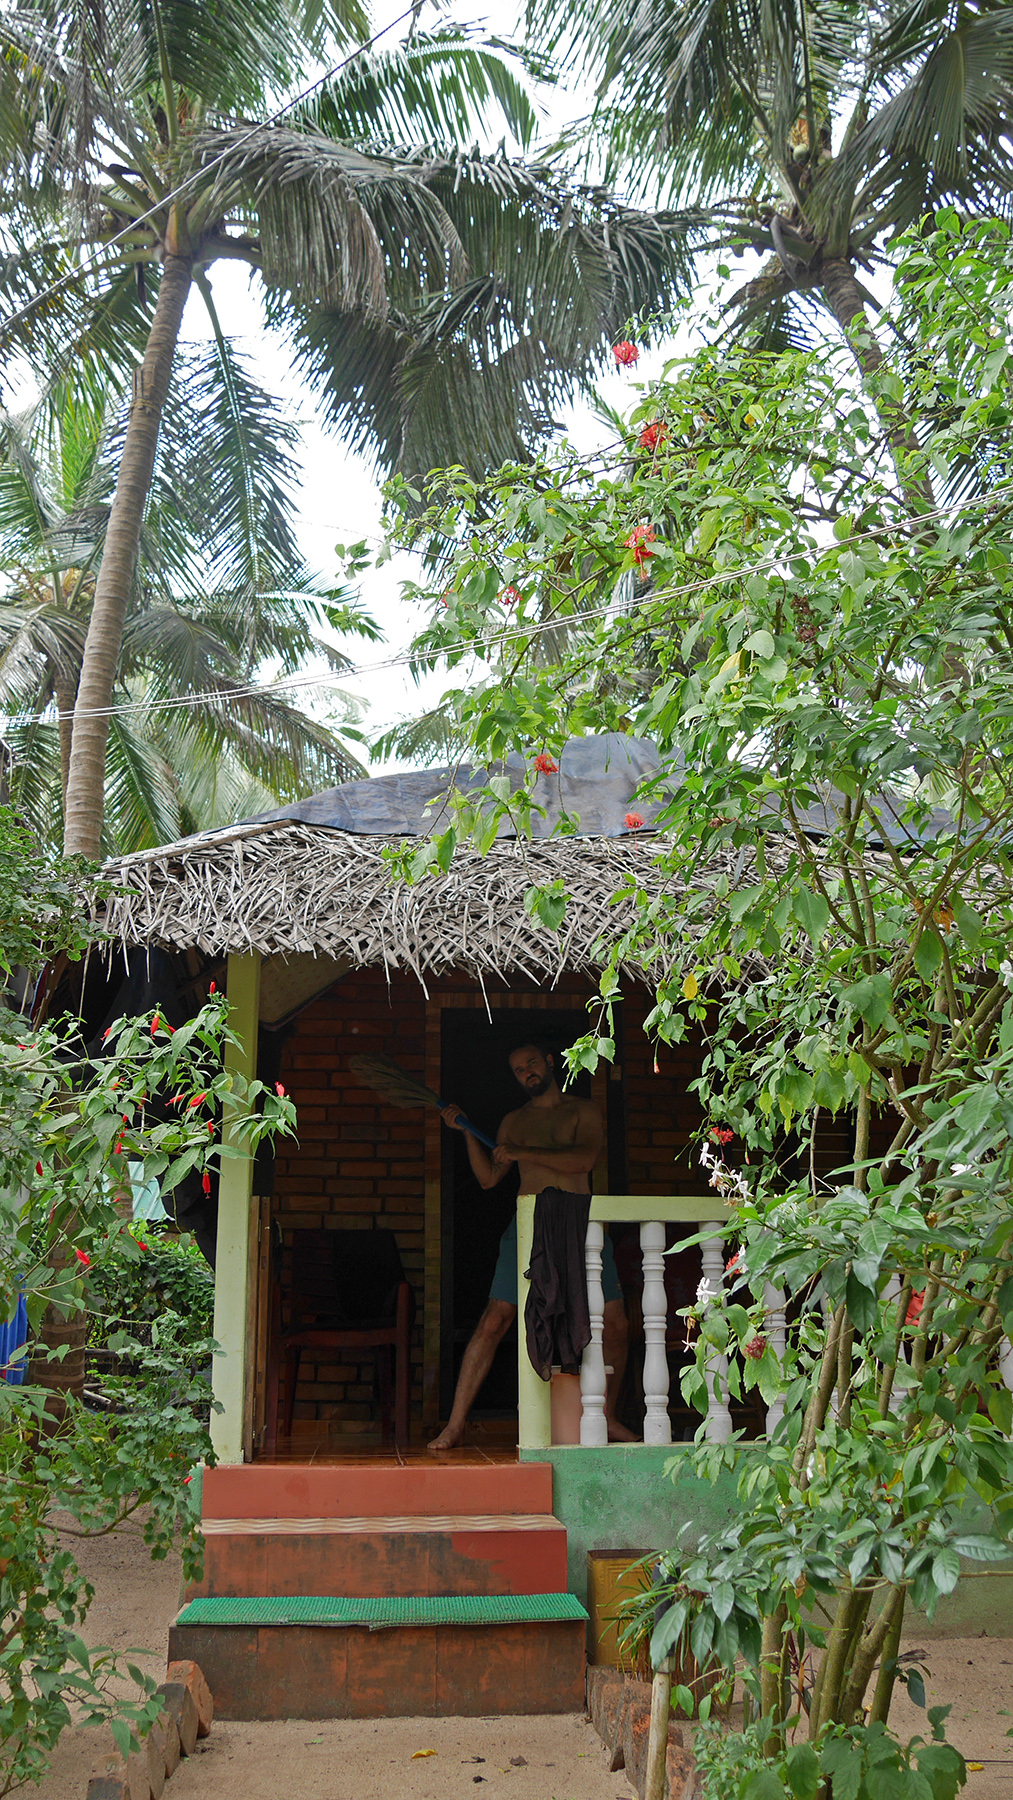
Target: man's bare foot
point(449, 1438)
point(619, 1434)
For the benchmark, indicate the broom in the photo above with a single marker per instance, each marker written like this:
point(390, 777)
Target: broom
point(388, 1080)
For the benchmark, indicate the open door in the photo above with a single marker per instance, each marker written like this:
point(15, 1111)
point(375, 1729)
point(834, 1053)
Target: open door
point(475, 1073)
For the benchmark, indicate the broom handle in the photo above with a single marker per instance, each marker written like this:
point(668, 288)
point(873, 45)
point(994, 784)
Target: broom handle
point(466, 1125)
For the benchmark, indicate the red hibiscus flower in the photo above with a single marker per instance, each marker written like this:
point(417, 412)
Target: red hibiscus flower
point(638, 541)
point(653, 434)
point(633, 821)
point(721, 1134)
point(511, 596)
point(83, 1258)
point(755, 1348)
point(914, 1311)
point(626, 354)
point(545, 765)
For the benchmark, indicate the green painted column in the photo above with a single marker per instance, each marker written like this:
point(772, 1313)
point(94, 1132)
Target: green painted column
point(534, 1396)
point(232, 1270)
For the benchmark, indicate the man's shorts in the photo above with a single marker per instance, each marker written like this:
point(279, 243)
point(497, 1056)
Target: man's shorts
point(504, 1280)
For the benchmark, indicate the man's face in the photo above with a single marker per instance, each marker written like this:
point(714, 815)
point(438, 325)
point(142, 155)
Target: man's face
point(533, 1070)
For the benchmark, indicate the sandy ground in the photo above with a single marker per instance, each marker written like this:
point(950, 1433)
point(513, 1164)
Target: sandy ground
point(556, 1758)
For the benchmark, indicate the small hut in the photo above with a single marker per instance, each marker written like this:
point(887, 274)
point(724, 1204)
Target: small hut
point(326, 957)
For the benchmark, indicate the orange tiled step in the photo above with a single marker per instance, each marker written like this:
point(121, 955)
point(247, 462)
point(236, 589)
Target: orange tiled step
point(429, 1554)
point(523, 1657)
point(374, 1490)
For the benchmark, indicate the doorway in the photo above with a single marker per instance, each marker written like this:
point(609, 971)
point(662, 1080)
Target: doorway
point(474, 1048)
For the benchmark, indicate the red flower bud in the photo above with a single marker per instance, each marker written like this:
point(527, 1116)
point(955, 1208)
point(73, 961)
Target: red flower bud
point(83, 1258)
point(634, 822)
point(211, 989)
point(279, 1090)
point(211, 1128)
point(154, 1025)
point(176, 1098)
point(141, 1245)
point(187, 1480)
point(206, 1182)
point(118, 1147)
point(545, 765)
point(626, 354)
point(38, 1168)
point(198, 1098)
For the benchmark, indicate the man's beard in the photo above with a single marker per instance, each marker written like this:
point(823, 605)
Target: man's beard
point(543, 1086)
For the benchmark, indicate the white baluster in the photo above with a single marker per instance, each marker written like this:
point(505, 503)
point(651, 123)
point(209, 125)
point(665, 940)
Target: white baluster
point(657, 1424)
point(593, 1428)
point(773, 1302)
point(719, 1419)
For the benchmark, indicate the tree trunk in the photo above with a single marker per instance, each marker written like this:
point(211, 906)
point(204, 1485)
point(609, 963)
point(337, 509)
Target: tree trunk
point(844, 298)
point(86, 777)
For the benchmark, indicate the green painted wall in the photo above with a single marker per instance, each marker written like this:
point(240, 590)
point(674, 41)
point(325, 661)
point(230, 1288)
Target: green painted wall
point(619, 1499)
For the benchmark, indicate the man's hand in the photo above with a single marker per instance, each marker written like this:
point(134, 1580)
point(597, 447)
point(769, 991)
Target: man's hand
point(502, 1156)
point(451, 1114)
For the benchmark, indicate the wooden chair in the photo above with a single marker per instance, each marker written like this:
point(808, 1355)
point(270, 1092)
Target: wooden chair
point(347, 1292)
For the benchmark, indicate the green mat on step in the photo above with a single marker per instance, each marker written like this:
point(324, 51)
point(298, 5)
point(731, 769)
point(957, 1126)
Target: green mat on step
point(380, 1614)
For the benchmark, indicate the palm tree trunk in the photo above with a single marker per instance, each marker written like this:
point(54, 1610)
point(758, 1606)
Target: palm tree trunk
point(844, 298)
point(86, 776)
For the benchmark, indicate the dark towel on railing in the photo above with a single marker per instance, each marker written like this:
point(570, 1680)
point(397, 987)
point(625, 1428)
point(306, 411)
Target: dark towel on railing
point(556, 1320)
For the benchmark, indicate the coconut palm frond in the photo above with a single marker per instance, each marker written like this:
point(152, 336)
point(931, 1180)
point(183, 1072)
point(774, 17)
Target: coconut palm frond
point(436, 87)
point(431, 738)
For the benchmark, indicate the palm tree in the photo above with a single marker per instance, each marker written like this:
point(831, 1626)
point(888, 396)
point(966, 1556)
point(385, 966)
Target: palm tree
point(807, 131)
point(219, 589)
point(127, 128)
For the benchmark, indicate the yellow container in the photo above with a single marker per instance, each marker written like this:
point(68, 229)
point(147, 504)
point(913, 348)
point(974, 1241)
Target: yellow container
point(610, 1581)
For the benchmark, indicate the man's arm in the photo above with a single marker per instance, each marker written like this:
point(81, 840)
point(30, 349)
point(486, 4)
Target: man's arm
point(487, 1173)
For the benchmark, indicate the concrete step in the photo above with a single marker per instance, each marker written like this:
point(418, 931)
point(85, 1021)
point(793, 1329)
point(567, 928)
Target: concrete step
point(327, 1657)
point(454, 1553)
point(374, 1490)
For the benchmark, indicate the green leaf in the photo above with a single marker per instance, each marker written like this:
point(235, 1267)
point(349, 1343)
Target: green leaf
point(871, 998)
point(803, 1771)
point(723, 1599)
point(928, 953)
point(765, 1784)
point(862, 1303)
point(946, 1569)
point(969, 923)
point(812, 913)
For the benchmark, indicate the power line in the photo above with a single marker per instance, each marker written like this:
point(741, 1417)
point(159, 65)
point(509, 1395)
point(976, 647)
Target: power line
point(100, 254)
point(521, 633)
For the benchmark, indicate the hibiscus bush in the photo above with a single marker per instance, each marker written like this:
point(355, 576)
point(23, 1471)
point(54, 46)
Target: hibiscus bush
point(68, 1125)
point(150, 1270)
point(811, 620)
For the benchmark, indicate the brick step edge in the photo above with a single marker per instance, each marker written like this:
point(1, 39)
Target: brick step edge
point(619, 1708)
point(186, 1715)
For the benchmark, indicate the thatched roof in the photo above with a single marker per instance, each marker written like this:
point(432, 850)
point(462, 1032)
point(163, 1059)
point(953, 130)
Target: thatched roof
point(288, 889)
point(303, 884)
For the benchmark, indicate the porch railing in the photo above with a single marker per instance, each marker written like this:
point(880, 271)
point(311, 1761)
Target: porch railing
point(652, 1213)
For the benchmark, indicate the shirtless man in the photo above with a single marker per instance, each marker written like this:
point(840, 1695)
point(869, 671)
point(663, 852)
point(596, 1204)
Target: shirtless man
point(554, 1139)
